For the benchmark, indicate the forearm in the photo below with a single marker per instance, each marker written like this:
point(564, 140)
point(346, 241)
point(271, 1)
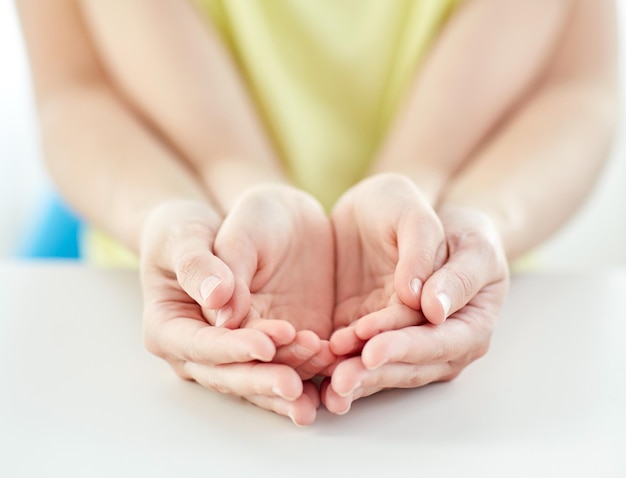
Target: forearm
point(536, 168)
point(107, 164)
point(172, 66)
point(535, 173)
point(480, 67)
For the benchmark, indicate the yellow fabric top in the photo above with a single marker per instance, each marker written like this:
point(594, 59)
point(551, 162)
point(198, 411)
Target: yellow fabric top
point(327, 77)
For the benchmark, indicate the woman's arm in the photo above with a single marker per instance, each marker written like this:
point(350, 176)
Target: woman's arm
point(535, 171)
point(513, 113)
point(136, 178)
point(110, 166)
point(173, 68)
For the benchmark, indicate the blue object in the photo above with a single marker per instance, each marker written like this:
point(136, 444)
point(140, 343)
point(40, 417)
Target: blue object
point(54, 232)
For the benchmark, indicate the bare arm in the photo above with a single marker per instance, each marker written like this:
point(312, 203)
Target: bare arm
point(515, 96)
point(145, 126)
point(111, 167)
point(171, 65)
point(534, 172)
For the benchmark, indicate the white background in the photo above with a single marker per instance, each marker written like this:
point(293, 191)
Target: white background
point(595, 237)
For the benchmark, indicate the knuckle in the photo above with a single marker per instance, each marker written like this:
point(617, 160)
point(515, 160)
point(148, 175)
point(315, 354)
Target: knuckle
point(416, 380)
point(187, 266)
point(465, 284)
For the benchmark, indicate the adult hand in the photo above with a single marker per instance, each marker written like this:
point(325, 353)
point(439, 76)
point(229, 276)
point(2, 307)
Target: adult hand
point(459, 303)
point(187, 289)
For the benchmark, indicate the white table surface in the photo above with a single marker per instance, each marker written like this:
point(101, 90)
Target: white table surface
point(79, 396)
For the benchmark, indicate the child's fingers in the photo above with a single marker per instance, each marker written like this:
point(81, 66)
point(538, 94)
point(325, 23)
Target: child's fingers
point(396, 316)
point(280, 331)
point(345, 341)
point(319, 364)
point(304, 346)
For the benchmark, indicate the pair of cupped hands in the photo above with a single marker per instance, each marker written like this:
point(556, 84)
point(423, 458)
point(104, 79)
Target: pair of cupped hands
point(385, 294)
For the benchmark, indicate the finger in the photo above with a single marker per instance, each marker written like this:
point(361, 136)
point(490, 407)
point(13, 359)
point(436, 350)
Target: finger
point(351, 381)
point(280, 331)
point(345, 341)
point(301, 411)
point(210, 282)
point(204, 277)
point(319, 363)
point(394, 317)
point(397, 375)
point(305, 345)
point(421, 249)
point(194, 341)
point(466, 272)
point(347, 376)
point(248, 379)
point(453, 340)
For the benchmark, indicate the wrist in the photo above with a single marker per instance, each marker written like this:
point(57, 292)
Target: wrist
point(168, 223)
point(228, 178)
point(468, 224)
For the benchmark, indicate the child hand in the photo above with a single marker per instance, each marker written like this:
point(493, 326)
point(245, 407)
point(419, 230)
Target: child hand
point(469, 289)
point(278, 242)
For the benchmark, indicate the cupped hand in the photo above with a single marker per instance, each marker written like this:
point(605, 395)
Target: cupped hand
point(187, 289)
point(462, 299)
point(278, 242)
point(389, 241)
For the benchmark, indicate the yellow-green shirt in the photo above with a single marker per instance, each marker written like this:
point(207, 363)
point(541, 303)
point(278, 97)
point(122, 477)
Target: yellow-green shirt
point(327, 77)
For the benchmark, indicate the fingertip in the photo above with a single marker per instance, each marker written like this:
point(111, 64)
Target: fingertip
point(291, 388)
point(264, 349)
point(345, 342)
point(208, 285)
point(280, 332)
point(335, 403)
point(445, 303)
point(308, 341)
point(436, 304)
point(409, 289)
point(374, 354)
point(304, 414)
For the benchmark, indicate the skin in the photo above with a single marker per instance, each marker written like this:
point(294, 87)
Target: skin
point(151, 135)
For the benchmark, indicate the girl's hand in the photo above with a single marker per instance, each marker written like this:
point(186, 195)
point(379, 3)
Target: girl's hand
point(461, 300)
point(278, 242)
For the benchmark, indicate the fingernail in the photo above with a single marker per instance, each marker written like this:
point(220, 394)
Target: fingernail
point(276, 391)
point(293, 419)
point(301, 351)
point(346, 410)
point(416, 286)
point(223, 315)
point(208, 285)
point(445, 302)
point(351, 391)
point(255, 356)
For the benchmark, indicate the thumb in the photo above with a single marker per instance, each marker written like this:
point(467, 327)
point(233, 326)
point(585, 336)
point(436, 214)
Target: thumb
point(206, 279)
point(421, 250)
